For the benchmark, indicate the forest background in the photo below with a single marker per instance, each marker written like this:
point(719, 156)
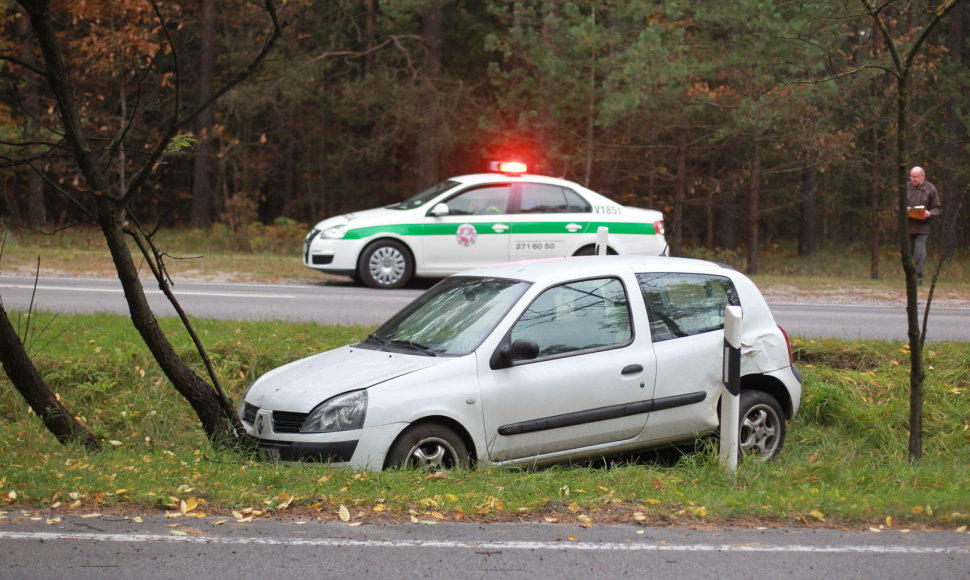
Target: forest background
point(745, 122)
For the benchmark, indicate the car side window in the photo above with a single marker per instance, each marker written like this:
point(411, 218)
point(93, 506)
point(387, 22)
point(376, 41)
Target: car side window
point(685, 304)
point(545, 198)
point(490, 199)
point(577, 316)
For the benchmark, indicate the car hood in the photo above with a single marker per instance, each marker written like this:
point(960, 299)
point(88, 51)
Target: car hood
point(358, 218)
point(303, 384)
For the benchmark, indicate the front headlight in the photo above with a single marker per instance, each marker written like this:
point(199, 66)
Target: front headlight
point(341, 413)
point(334, 233)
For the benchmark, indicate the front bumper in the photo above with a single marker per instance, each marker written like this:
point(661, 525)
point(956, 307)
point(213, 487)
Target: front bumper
point(359, 449)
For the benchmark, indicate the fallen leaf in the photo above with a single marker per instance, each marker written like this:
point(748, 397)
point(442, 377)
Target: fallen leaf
point(817, 515)
point(344, 513)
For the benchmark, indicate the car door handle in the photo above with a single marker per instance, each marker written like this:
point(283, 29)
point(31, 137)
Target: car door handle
point(630, 369)
point(500, 228)
point(573, 228)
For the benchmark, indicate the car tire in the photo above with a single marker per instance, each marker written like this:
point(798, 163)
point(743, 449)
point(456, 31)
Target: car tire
point(428, 446)
point(385, 264)
point(762, 427)
point(591, 251)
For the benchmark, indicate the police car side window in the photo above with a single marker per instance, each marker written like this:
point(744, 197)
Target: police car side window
point(685, 304)
point(546, 198)
point(487, 200)
point(578, 316)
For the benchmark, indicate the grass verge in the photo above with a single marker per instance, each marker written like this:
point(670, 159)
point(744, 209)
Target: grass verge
point(844, 463)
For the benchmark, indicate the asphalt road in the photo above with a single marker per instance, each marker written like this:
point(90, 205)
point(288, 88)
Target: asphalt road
point(109, 547)
point(349, 304)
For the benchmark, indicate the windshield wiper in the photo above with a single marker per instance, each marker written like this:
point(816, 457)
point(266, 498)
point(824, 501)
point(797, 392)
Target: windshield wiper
point(415, 346)
point(374, 338)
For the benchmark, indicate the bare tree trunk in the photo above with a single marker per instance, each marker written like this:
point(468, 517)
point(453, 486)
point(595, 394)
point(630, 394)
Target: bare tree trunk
point(806, 229)
point(754, 201)
point(429, 138)
point(875, 210)
point(28, 382)
point(680, 196)
point(202, 190)
point(219, 424)
point(902, 64)
point(36, 206)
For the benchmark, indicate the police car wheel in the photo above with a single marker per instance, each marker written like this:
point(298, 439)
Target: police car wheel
point(762, 429)
point(385, 264)
point(591, 251)
point(428, 446)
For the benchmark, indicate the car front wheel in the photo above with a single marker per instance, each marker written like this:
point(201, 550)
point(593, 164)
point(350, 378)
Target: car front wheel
point(428, 446)
point(762, 428)
point(385, 264)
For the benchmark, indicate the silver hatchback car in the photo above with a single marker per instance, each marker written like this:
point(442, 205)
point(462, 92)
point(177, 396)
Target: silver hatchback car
point(535, 363)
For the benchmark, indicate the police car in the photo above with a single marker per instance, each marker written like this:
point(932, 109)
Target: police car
point(476, 220)
point(535, 363)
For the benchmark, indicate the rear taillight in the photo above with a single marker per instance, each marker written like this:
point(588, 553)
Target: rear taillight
point(658, 227)
point(791, 356)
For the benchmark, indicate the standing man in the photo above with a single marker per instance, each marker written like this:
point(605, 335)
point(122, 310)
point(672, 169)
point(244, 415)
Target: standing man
point(924, 204)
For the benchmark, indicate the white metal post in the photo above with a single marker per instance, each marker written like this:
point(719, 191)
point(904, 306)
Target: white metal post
point(731, 393)
point(601, 233)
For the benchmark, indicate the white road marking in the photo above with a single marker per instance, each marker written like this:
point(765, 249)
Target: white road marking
point(151, 292)
point(555, 546)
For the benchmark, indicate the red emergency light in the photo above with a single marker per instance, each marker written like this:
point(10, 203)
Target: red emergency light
point(508, 167)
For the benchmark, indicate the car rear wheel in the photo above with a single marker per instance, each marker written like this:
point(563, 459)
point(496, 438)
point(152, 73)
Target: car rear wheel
point(428, 446)
point(762, 426)
point(385, 264)
point(591, 251)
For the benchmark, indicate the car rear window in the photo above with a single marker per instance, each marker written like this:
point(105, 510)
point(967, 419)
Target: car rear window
point(685, 304)
point(546, 198)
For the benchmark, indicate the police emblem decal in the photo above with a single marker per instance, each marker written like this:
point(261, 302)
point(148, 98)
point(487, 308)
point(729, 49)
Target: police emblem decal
point(467, 234)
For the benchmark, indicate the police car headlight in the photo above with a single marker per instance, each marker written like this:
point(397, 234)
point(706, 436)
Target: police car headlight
point(334, 233)
point(341, 413)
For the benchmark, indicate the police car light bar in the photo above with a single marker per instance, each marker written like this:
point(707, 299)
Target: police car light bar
point(508, 167)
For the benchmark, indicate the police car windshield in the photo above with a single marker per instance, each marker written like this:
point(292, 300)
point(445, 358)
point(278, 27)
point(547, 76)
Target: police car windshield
point(450, 319)
point(425, 196)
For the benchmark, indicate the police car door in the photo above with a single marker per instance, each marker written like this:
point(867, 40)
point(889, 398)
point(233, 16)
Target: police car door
point(548, 221)
point(472, 232)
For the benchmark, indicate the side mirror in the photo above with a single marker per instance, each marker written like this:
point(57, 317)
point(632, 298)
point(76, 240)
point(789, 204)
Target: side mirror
point(522, 349)
point(439, 210)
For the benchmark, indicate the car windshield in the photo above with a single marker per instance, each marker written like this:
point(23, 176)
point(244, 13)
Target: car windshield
point(425, 196)
point(450, 319)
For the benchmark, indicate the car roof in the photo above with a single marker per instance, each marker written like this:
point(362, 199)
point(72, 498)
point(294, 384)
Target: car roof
point(577, 267)
point(476, 178)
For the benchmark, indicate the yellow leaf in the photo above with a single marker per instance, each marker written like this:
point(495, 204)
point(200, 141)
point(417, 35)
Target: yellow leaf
point(817, 515)
point(190, 504)
point(584, 520)
point(571, 538)
point(551, 520)
point(929, 511)
point(653, 501)
point(52, 521)
point(451, 497)
point(917, 510)
point(889, 521)
point(237, 515)
point(116, 443)
point(344, 513)
point(961, 529)
point(573, 507)
point(380, 508)
point(177, 533)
